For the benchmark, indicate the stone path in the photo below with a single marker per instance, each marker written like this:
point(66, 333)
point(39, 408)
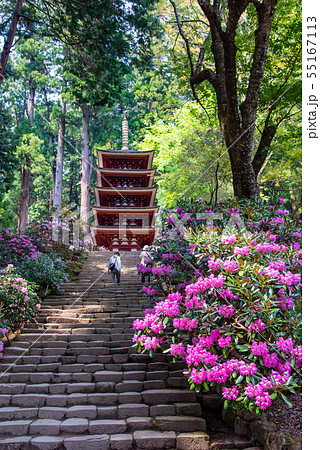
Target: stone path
point(73, 381)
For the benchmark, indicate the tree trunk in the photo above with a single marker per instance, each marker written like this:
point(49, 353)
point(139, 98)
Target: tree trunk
point(9, 41)
point(85, 171)
point(57, 196)
point(25, 188)
point(30, 105)
point(237, 120)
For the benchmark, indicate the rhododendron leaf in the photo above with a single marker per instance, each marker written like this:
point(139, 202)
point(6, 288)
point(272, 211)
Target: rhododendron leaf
point(273, 396)
point(239, 379)
point(284, 398)
point(293, 362)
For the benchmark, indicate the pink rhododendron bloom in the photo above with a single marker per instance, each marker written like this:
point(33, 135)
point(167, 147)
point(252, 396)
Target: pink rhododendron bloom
point(225, 341)
point(156, 327)
point(149, 290)
point(258, 325)
point(266, 247)
point(228, 239)
point(277, 265)
point(259, 348)
point(290, 278)
point(168, 307)
point(177, 349)
point(270, 360)
point(282, 212)
point(241, 250)
point(198, 377)
point(214, 264)
point(297, 353)
point(271, 273)
point(286, 303)
point(183, 323)
point(230, 393)
point(277, 220)
point(226, 310)
point(230, 265)
point(286, 345)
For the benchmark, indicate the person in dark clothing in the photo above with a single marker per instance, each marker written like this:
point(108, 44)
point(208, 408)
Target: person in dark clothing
point(146, 260)
point(114, 266)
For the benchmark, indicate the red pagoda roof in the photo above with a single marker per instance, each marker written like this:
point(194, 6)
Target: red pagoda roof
point(105, 157)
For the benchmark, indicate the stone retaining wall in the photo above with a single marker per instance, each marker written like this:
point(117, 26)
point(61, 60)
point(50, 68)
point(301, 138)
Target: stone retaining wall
point(245, 424)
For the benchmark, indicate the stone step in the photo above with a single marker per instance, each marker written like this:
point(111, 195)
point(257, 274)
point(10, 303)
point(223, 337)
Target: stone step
point(122, 411)
point(146, 439)
point(72, 379)
point(80, 425)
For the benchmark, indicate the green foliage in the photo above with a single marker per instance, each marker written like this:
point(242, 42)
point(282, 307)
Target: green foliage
point(232, 299)
point(18, 299)
point(190, 156)
point(47, 271)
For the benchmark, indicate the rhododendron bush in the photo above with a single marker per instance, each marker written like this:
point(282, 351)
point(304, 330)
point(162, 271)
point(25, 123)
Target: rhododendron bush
point(232, 305)
point(18, 301)
point(37, 257)
point(31, 264)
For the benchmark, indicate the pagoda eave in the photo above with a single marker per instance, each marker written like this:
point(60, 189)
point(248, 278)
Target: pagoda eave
point(105, 236)
point(149, 192)
point(127, 155)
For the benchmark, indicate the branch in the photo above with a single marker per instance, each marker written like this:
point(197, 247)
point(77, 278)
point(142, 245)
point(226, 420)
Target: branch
point(263, 167)
point(183, 36)
point(265, 12)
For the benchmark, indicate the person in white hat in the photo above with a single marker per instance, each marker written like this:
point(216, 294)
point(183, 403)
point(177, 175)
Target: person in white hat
point(114, 266)
point(145, 260)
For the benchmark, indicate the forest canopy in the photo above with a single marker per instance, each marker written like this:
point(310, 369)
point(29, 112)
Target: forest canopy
point(187, 75)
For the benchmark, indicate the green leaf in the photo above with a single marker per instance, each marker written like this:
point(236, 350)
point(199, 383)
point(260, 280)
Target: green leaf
point(239, 379)
point(284, 398)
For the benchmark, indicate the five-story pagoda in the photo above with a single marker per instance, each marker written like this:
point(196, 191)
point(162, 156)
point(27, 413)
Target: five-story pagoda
point(124, 214)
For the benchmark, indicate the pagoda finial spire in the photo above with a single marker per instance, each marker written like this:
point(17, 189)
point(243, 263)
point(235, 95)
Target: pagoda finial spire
point(125, 140)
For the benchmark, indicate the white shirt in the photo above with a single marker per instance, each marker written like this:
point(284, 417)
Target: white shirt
point(145, 257)
point(116, 260)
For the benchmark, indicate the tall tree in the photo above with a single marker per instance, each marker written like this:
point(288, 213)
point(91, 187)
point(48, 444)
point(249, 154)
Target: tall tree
point(235, 32)
point(10, 38)
point(110, 40)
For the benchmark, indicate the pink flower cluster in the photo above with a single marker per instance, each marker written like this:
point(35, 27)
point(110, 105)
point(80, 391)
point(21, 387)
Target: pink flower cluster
point(149, 343)
point(258, 325)
point(167, 256)
point(196, 354)
point(228, 239)
point(183, 323)
point(162, 270)
point(266, 247)
point(214, 263)
point(220, 373)
point(241, 250)
point(177, 349)
point(226, 310)
point(282, 212)
point(142, 324)
point(230, 265)
point(170, 306)
point(230, 393)
point(290, 278)
point(143, 269)
point(277, 221)
point(149, 290)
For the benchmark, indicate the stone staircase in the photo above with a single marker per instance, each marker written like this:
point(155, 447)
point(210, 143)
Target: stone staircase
point(74, 381)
